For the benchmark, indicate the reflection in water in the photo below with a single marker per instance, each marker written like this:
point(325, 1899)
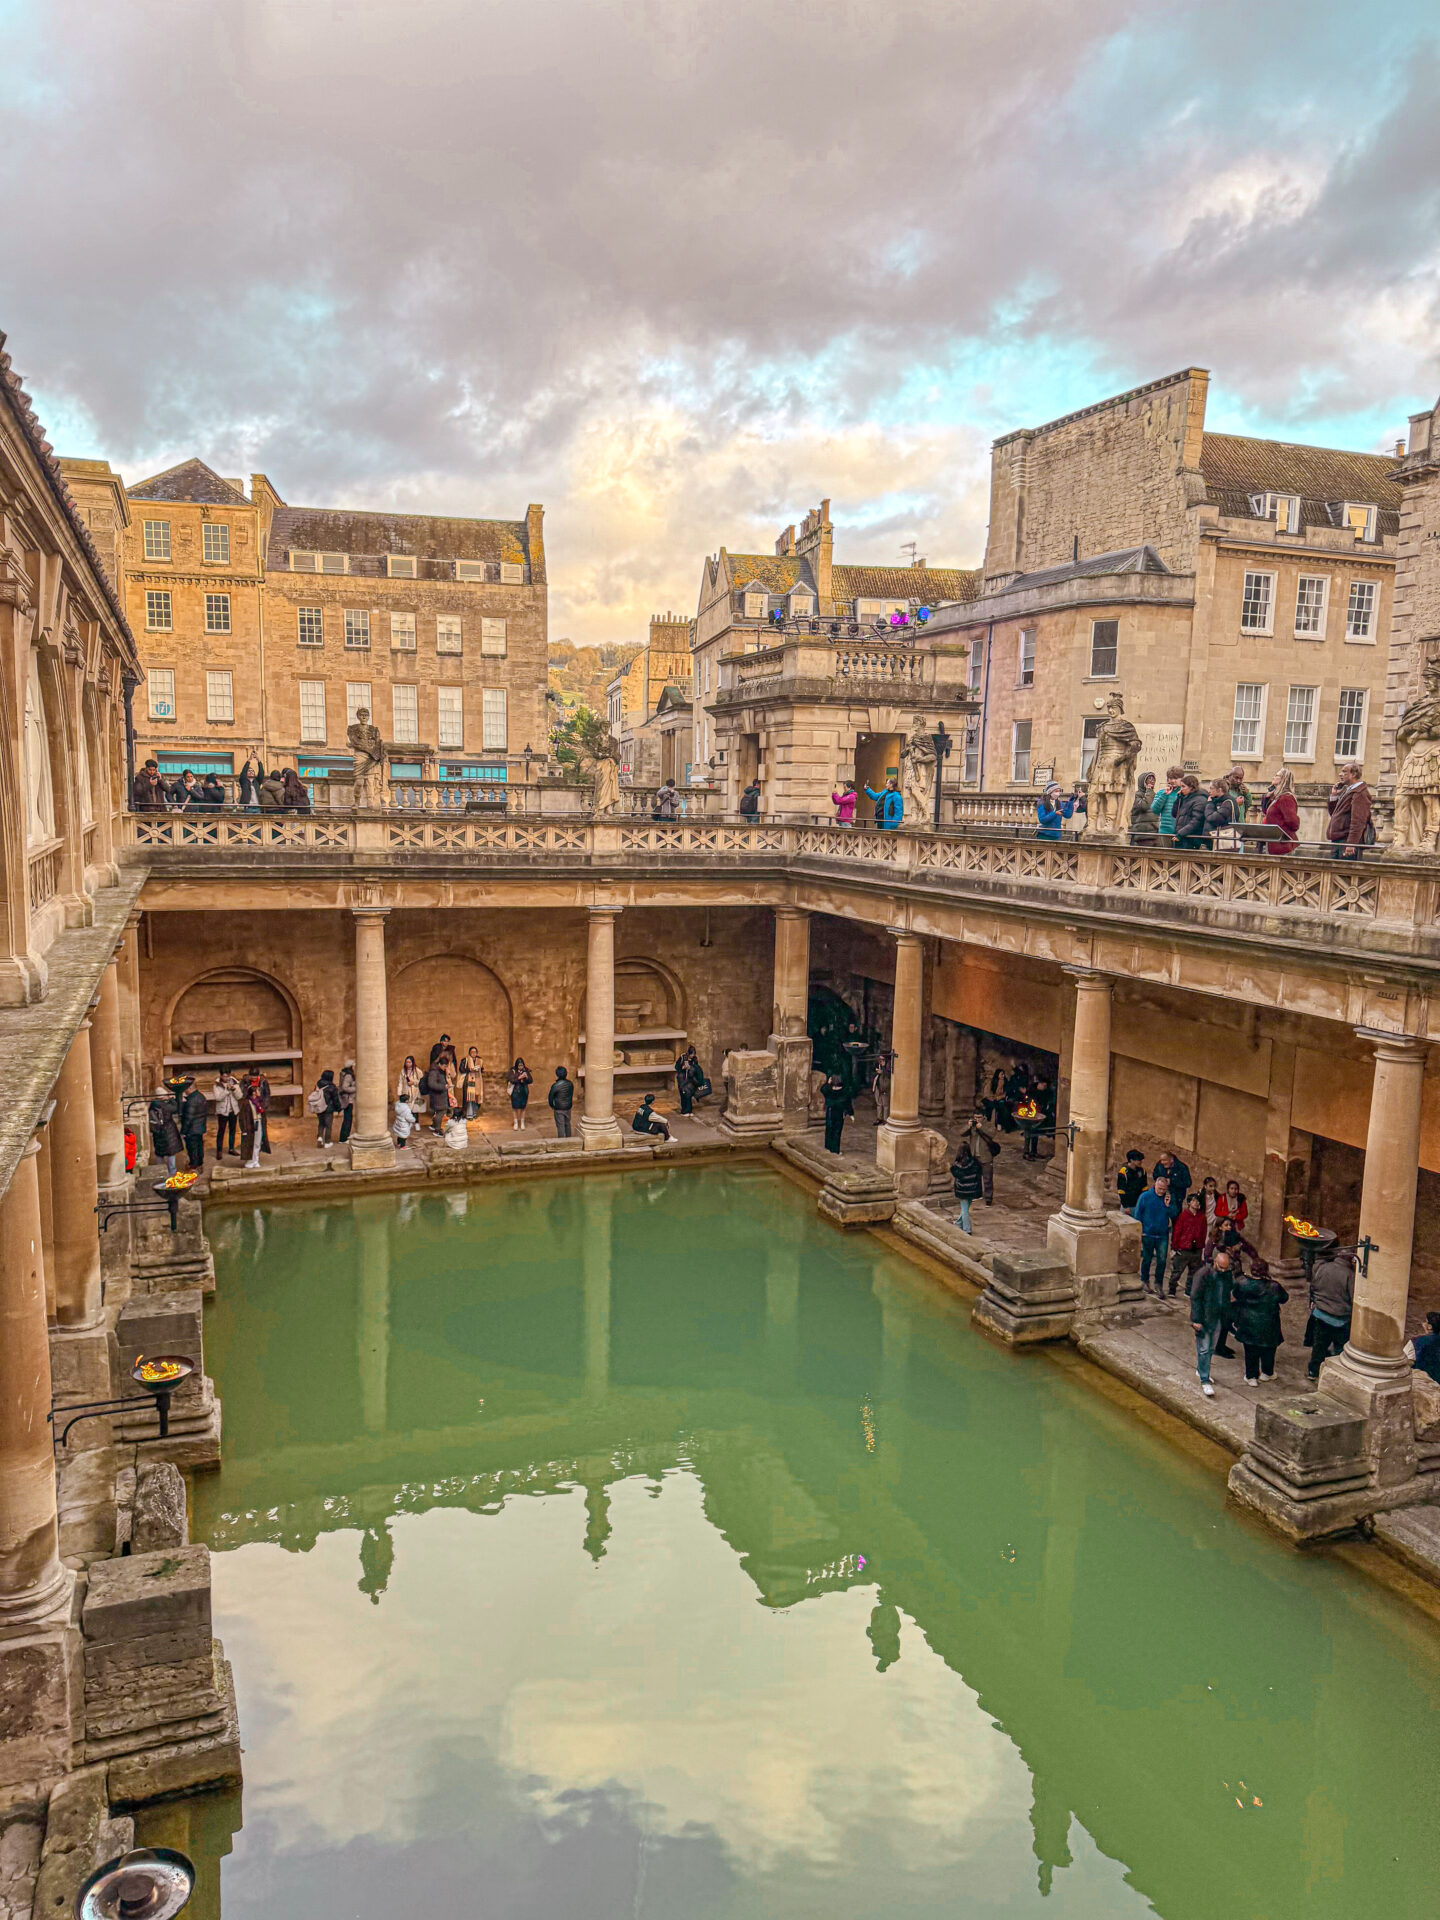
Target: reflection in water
point(708, 1566)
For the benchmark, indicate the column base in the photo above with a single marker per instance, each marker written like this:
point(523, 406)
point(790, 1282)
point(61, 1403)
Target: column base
point(1102, 1252)
point(372, 1156)
point(907, 1154)
point(1381, 1393)
point(601, 1135)
point(1029, 1298)
point(792, 1077)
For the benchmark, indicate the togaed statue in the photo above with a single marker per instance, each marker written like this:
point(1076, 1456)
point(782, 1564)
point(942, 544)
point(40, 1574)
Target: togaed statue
point(917, 774)
point(369, 751)
point(1417, 778)
point(606, 761)
point(1110, 790)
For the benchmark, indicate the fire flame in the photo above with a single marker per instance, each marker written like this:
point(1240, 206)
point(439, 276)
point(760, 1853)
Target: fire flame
point(1302, 1229)
point(177, 1182)
point(155, 1372)
point(1027, 1111)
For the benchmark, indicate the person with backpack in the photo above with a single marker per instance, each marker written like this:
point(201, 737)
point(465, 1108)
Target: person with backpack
point(323, 1101)
point(667, 803)
point(561, 1098)
point(750, 801)
point(966, 1176)
point(889, 805)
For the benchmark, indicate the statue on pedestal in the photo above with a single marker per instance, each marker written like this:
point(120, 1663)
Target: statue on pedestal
point(918, 769)
point(606, 760)
point(369, 751)
point(1417, 777)
point(1110, 790)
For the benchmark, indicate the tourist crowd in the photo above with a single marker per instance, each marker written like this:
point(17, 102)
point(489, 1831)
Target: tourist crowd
point(1196, 816)
point(279, 791)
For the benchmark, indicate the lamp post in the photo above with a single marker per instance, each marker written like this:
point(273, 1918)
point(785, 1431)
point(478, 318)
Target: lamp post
point(941, 741)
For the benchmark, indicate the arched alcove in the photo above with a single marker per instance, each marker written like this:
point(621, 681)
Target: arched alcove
point(449, 993)
point(648, 998)
point(233, 1001)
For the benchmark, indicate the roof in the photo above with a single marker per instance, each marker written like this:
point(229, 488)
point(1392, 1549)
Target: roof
point(775, 572)
point(1127, 560)
point(33, 434)
point(428, 536)
point(1234, 467)
point(192, 480)
point(780, 573)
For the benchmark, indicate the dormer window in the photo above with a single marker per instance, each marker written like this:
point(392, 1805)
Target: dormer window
point(1282, 508)
point(471, 570)
point(402, 566)
point(755, 605)
point(1362, 520)
point(301, 562)
point(801, 606)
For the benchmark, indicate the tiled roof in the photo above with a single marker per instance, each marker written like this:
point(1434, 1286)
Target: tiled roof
point(191, 480)
point(1235, 467)
point(770, 570)
point(906, 583)
point(428, 536)
point(33, 434)
point(1127, 560)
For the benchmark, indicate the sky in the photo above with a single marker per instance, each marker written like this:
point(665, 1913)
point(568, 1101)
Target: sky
point(678, 269)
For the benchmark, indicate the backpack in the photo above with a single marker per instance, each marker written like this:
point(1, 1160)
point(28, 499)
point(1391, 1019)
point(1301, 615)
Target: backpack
point(315, 1101)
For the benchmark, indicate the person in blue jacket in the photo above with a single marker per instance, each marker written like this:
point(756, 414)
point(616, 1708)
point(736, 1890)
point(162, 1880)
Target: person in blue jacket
point(889, 805)
point(1052, 812)
point(1153, 1211)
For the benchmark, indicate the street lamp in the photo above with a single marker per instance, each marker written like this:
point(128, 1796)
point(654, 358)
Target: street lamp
point(940, 739)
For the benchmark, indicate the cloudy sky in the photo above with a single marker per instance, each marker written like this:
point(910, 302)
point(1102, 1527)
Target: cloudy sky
point(678, 268)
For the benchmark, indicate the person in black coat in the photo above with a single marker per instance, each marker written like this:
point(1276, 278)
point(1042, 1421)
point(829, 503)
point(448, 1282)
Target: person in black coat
point(1209, 1310)
point(966, 1173)
point(837, 1100)
point(1255, 1304)
point(327, 1105)
point(164, 1128)
point(1190, 815)
point(194, 1119)
point(561, 1098)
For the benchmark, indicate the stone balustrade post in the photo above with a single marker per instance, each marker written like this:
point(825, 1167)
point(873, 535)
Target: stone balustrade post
point(599, 1128)
point(372, 1145)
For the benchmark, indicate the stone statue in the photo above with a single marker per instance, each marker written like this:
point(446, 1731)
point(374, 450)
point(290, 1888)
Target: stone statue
point(918, 767)
point(1417, 781)
point(1110, 789)
point(607, 778)
point(369, 751)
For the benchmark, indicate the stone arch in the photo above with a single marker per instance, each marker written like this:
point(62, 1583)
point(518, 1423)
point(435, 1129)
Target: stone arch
point(233, 1000)
point(648, 996)
point(450, 993)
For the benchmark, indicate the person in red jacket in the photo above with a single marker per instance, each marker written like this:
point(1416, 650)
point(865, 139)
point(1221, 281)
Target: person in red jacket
point(1187, 1242)
point(1232, 1205)
point(1282, 811)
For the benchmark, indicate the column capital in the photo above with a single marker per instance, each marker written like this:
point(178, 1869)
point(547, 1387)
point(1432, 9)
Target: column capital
point(902, 935)
point(133, 919)
point(792, 913)
point(365, 912)
point(1392, 1046)
point(612, 913)
point(1089, 976)
point(32, 1145)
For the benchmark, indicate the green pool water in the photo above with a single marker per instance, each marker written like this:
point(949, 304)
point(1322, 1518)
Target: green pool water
point(643, 1546)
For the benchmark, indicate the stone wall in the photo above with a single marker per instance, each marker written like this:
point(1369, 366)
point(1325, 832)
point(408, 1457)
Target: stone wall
point(1416, 617)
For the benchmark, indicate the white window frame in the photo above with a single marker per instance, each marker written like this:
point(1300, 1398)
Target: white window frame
point(512, 573)
point(1282, 508)
point(312, 699)
point(1089, 740)
point(1025, 668)
point(402, 566)
point(306, 561)
point(449, 634)
point(970, 752)
point(1095, 672)
point(405, 713)
point(1239, 751)
point(450, 718)
point(494, 720)
point(1271, 579)
point(1020, 773)
point(755, 605)
point(357, 629)
point(157, 539)
point(1369, 526)
point(802, 606)
point(1355, 751)
point(976, 679)
point(215, 533)
point(217, 613)
point(402, 633)
point(219, 694)
point(1369, 591)
point(358, 693)
point(160, 692)
point(312, 618)
point(159, 610)
point(1322, 612)
point(1306, 752)
point(478, 570)
point(493, 641)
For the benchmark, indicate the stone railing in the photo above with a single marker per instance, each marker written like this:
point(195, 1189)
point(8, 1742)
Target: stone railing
point(458, 797)
point(988, 809)
point(44, 868)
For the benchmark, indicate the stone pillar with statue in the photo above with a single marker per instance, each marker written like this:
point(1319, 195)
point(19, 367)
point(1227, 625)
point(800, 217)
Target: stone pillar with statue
point(372, 1145)
point(1417, 767)
point(918, 774)
point(368, 748)
point(1110, 787)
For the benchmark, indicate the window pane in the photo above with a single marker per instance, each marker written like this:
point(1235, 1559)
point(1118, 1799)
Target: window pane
point(1027, 656)
point(157, 612)
point(493, 729)
point(512, 573)
point(1089, 734)
point(215, 543)
point(492, 637)
point(219, 696)
point(1350, 724)
point(1310, 604)
point(357, 695)
point(977, 666)
point(755, 606)
point(162, 693)
point(217, 613)
point(311, 626)
point(402, 631)
point(1245, 731)
point(332, 563)
point(402, 566)
point(1255, 604)
point(405, 707)
point(1020, 750)
point(1360, 613)
point(1104, 647)
point(1300, 723)
point(157, 539)
point(357, 626)
point(471, 570)
point(312, 709)
point(447, 633)
point(451, 725)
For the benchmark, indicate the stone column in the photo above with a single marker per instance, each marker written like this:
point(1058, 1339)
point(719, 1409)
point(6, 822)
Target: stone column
point(47, 1219)
point(371, 1145)
point(789, 1040)
point(105, 1070)
point(902, 1145)
point(598, 1126)
point(1079, 1229)
point(131, 1046)
point(1271, 1237)
point(1372, 1376)
point(74, 1189)
point(32, 1581)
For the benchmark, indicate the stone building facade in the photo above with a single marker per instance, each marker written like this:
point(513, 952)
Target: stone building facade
point(264, 626)
point(829, 696)
point(1237, 591)
point(1415, 625)
point(650, 749)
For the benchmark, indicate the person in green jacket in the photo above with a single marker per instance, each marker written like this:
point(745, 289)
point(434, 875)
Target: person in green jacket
point(1165, 802)
point(1255, 1305)
point(1209, 1305)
